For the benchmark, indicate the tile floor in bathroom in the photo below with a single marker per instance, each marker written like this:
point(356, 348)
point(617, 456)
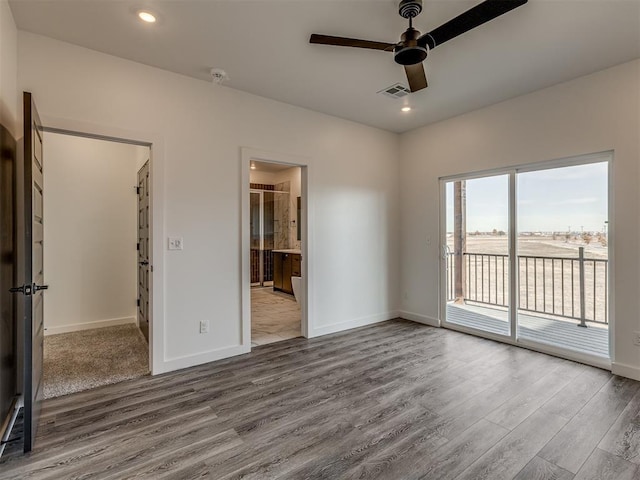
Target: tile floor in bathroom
point(275, 316)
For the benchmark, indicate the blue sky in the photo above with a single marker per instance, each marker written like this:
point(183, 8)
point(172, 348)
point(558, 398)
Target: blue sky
point(548, 200)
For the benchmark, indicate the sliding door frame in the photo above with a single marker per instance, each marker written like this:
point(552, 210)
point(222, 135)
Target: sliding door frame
point(513, 337)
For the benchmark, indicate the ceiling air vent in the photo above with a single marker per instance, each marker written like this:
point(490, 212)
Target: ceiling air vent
point(395, 91)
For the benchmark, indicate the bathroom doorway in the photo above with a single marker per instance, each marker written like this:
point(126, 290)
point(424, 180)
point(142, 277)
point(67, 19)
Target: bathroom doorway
point(275, 251)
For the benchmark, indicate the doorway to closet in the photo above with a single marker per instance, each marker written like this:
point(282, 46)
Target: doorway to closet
point(96, 258)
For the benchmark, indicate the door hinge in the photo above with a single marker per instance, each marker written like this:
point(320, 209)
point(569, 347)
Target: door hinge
point(137, 246)
point(137, 190)
point(138, 302)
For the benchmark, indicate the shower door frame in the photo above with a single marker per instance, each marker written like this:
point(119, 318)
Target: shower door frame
point(261, 282)
point(260, 193)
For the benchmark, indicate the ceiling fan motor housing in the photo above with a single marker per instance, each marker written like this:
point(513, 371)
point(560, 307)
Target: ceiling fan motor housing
point(410, 8)
point(409, 52)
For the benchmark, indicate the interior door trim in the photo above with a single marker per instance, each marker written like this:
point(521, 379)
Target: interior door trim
point(159, 362)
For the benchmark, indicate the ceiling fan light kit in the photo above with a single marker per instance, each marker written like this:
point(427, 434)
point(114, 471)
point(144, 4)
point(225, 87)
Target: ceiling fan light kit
point(413, 48)
point(409, 51)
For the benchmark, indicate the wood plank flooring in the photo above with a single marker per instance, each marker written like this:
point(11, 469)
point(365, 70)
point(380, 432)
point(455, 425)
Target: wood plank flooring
point(393, 401)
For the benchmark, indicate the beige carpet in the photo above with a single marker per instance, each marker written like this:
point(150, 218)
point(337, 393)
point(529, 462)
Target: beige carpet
point(91, 358)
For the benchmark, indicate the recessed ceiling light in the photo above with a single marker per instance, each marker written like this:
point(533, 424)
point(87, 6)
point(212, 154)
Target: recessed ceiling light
point(406, 109)
point(253, 166)
point(147, 17)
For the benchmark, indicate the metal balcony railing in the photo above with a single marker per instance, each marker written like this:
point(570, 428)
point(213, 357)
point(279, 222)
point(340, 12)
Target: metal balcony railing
point(575, 288)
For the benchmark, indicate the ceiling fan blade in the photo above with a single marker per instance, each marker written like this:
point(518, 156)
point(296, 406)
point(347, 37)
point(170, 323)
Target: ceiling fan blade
point(416, 77)
point(472, 18)
point(350, 42)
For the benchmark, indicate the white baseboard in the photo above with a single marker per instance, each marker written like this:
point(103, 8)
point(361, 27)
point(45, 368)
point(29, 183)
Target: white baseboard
point(625, 371)
point(199, 359)
point(348, 325)
point(418, 318)
point(226, 352)
point(75, 327)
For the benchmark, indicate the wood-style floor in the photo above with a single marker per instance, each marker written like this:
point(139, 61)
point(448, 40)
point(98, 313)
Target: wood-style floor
point(393, 401)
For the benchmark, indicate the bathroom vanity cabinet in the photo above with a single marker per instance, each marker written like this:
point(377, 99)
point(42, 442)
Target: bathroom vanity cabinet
point(286, 263)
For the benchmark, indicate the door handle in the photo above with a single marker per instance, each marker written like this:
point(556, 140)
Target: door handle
point(24, 289)
point(144, 262)
point(29, 289)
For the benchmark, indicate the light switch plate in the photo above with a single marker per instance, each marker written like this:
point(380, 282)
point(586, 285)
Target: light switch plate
point(175, 243)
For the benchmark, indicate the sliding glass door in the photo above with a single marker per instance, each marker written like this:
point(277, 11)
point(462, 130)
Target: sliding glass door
point(477, 254)
point(563, 257)
point(525, 256)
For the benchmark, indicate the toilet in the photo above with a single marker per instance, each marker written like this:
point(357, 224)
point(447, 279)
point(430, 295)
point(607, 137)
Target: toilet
point(296, 283)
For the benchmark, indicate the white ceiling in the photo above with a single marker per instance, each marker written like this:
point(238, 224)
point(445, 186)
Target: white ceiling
point(263, 46)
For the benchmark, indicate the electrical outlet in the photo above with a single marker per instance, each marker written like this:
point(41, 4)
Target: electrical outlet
point(204, 326)
point(175, 243)
point(636, 338)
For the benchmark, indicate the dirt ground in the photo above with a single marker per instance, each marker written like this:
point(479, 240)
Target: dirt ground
point(546, 285)
point(540, 246)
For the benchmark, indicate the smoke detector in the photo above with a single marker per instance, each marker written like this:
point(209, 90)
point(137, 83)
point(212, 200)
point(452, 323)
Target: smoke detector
point(218, 75)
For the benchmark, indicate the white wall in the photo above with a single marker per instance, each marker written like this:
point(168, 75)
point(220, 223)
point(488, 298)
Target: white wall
point(10, 354)
point(9, 98)
point(200, 128)
point(90, 232)
point(143, 155)
point(591, 114)
point(266, 178)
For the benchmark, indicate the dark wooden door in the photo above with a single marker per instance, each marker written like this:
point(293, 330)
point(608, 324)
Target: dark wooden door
point(143, 249)
point(31, 257)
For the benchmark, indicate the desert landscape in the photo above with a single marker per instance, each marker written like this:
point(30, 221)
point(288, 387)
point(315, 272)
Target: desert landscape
point(548, 270)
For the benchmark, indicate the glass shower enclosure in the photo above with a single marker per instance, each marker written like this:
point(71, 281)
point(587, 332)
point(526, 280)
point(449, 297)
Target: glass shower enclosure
point(269, 217)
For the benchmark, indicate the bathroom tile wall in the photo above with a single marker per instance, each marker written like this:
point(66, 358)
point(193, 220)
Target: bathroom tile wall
point(281, 216)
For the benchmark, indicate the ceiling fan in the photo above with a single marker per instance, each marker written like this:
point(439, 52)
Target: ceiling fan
point(412, 49)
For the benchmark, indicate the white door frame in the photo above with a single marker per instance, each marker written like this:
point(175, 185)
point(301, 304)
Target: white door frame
point(155, 142)
point(247, 155)
point(513, 339)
